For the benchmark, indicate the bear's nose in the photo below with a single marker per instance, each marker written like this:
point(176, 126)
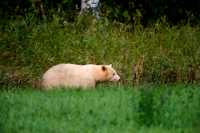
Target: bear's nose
point(118, 78)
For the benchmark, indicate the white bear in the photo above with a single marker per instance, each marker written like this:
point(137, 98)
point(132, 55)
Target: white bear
point(73, 75)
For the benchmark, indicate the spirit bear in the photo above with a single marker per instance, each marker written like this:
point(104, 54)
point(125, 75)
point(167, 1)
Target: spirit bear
point(73, 75)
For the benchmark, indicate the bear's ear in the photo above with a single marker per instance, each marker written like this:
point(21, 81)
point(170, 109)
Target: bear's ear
point(110, 65)
point(104, 68)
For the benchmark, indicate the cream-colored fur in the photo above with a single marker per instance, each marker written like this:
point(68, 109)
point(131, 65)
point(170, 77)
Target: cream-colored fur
point(72, 75)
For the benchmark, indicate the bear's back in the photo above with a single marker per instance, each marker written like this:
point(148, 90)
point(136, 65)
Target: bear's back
point(68, 75)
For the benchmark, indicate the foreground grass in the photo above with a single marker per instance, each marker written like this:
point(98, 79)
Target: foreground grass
point(147, 109)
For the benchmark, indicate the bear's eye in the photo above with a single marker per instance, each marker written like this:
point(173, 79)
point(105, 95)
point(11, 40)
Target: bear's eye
point(113, 74)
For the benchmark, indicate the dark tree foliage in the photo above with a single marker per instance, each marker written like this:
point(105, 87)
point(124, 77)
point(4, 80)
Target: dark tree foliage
point(10, 8)
point(174, 10)
point(128, 11)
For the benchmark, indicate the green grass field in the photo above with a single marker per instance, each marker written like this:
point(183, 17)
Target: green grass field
point(107, 109)
point(164, 54)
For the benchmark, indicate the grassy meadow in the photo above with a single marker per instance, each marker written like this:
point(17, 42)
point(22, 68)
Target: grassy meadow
point(144, 109)
point(154, 57)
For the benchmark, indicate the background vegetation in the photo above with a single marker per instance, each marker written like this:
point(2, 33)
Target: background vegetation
point(128, 11)
point(145, 41)
point(159, 53)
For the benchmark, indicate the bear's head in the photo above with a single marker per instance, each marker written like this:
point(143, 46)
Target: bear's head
point(109, 73)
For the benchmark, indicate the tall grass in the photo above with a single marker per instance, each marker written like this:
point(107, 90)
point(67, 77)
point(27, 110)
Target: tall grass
point(158, 53)
point(156, 109)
